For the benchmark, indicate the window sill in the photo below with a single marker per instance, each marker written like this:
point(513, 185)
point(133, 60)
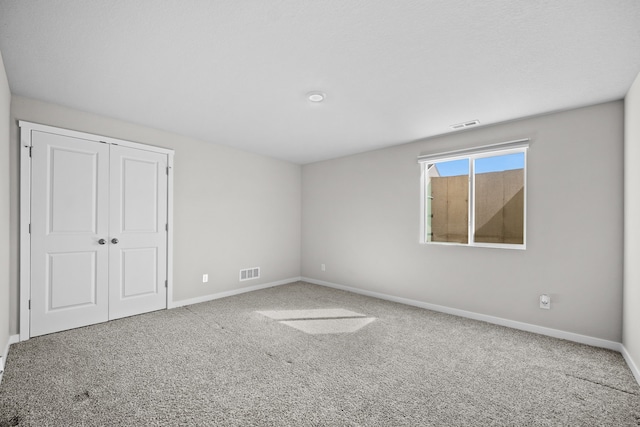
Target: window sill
point(478, 245)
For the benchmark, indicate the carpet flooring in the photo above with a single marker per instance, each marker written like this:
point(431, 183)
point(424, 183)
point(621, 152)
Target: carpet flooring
point(222, 363)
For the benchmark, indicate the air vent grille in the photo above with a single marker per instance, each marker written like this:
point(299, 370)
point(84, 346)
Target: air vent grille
point(464, 125)
point(249, 273)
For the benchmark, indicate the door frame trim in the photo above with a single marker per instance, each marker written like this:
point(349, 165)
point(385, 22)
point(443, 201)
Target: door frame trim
point(25, 208)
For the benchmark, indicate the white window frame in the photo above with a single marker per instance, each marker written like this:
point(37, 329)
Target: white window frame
point(472, 154)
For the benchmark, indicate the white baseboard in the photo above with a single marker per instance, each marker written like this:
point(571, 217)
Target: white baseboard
point(556, 333)
point(225, 294)
point(12, 340)
point(627, 357)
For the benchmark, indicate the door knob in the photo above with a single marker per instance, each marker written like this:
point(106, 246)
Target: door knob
point(102, 242)
point(114, 241)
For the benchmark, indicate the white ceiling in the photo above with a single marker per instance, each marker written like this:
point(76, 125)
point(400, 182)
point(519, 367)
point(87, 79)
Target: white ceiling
point(394, 71)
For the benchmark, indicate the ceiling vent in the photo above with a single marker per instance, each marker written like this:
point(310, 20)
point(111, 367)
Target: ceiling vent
point(465, 125)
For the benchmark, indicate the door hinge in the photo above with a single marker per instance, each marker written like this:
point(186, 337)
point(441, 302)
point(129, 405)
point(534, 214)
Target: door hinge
point(30, 150)
point(29, 228)
point(166, 283)
point(29, 304)
point(167, 170)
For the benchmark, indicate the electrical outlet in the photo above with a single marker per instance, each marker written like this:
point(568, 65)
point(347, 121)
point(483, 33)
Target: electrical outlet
point(205, 278)
point(545, 301)
point(323, 267)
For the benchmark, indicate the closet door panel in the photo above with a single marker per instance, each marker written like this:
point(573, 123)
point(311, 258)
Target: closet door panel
point(69, 216)
point(138, 217)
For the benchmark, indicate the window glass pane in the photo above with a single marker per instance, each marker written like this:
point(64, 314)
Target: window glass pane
point(447, 201)
point(499, 199)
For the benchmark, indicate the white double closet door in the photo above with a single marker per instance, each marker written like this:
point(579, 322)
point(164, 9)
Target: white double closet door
point(98, 232)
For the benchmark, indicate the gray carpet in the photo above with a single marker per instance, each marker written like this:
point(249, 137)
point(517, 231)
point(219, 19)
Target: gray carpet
point(222, 363)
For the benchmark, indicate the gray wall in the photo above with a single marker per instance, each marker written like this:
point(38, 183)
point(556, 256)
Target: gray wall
point(631, 323)
point(232, 209)
point(361, 219)
point(5, 102)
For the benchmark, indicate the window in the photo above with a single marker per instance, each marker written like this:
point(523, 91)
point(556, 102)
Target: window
point(475, 197)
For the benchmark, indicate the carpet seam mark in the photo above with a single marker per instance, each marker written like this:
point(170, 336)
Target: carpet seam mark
point(205, 320)
point(602, 384)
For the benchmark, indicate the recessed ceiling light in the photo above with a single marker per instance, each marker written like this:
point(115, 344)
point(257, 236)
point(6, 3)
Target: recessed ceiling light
point(316, 96)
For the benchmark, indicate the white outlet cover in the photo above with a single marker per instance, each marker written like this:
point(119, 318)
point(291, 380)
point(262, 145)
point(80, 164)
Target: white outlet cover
point(545, 301)
point(205, 278)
